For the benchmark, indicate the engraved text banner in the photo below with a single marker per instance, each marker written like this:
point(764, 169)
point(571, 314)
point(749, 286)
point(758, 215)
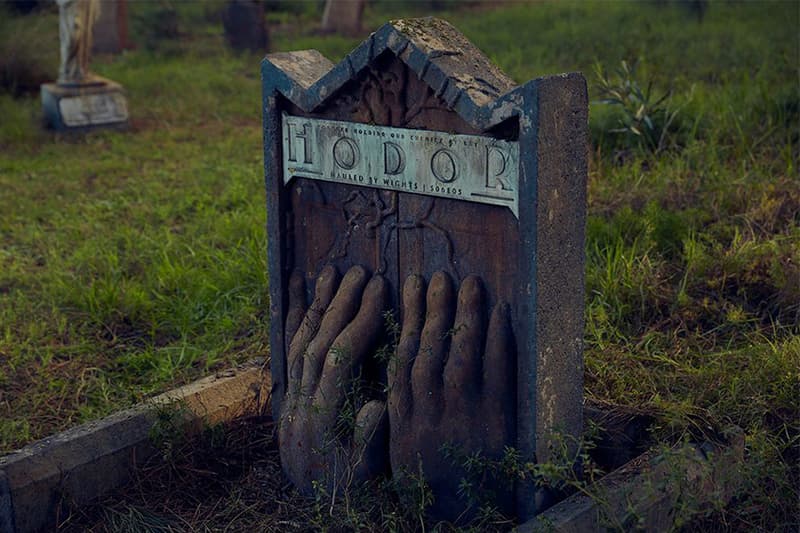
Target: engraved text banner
point(462, 167)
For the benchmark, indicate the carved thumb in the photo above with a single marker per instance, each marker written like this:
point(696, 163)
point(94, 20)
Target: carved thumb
point(371, 441)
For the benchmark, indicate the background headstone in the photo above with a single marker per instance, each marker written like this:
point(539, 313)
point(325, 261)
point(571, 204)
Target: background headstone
point(245, 25)
point(98, 104)
point(343, 16)
point(79, 100)
point(111, 28)
point(422, 74)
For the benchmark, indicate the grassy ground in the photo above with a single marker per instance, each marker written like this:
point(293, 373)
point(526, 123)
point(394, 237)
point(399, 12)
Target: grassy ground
point(131, 262)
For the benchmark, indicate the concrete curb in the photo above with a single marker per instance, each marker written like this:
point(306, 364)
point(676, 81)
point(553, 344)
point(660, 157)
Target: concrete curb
point(79, 465)
point(643, 494)
point(40, 481)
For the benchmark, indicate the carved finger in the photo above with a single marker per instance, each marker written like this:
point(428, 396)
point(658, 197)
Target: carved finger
point(326, 285)
point(338, 314)
point(399, 372)
point(351, 346)
point(462, 375)
point(297, 310)
point(370, 441)
point(426, 374)
point(297, 306)
point(500, 365)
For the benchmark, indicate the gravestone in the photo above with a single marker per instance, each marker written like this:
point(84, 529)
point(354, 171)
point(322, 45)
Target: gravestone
point(94, 103)
point(417, 159)
point(79, 100)
point(343, 16)
point(245, 26)
point(111, 28)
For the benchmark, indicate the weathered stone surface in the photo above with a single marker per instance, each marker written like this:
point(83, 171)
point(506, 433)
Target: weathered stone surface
point(557, 340)
point(245, 25)
point(423, 74)
point(81, 464)
point(6, 510)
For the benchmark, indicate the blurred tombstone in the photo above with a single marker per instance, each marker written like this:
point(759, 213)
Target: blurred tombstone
point(343, 16)
point(80, 100)
point(698, 8)
point(111, 28)
point(245, 27)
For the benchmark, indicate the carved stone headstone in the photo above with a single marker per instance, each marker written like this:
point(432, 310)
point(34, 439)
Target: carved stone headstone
point(419, 160)
point(111, 28)
point(245, 26)
point(79, 100)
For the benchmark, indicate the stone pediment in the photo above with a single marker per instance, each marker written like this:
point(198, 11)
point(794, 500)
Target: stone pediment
point(456, 71)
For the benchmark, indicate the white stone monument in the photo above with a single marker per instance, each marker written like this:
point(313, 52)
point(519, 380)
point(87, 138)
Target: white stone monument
point(80, 100)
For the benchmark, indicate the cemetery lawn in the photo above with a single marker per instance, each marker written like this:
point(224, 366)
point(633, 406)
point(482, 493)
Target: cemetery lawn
point(132, 262)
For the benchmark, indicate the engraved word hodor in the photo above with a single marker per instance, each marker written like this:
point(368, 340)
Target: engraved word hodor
point(463, 167)
point(414, 155)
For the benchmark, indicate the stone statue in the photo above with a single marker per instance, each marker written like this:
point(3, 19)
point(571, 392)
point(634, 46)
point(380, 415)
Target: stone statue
point(76, 19)
point(79, 101)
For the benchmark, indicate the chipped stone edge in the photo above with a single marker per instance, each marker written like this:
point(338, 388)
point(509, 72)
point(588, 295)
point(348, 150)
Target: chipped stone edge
point(647, 489)
point(79, 465)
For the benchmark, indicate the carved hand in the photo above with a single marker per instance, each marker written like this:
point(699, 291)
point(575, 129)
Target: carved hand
point(452, 386)
point(317, 441)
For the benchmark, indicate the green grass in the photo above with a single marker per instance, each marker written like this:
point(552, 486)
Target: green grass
point(131, 262)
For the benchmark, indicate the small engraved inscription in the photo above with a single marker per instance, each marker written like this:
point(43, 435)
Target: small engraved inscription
point(462, 167)
point(92, 109)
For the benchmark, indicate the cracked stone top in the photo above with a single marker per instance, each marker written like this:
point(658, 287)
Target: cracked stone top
point(440, 55)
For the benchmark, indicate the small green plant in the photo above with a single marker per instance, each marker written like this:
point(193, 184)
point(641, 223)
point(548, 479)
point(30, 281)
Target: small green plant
point(413, 492)
point(356, 395)
point(645, 119)
point(170, 430)
point(570, 469)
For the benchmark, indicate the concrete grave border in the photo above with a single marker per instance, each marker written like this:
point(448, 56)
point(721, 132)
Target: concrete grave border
point(643, 494)
point(81, 464)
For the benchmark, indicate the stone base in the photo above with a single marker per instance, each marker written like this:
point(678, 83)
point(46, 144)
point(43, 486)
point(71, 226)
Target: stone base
point(96, 103)
point(41, 481)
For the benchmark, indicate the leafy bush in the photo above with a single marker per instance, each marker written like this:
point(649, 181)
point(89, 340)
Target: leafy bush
point(644, 119)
